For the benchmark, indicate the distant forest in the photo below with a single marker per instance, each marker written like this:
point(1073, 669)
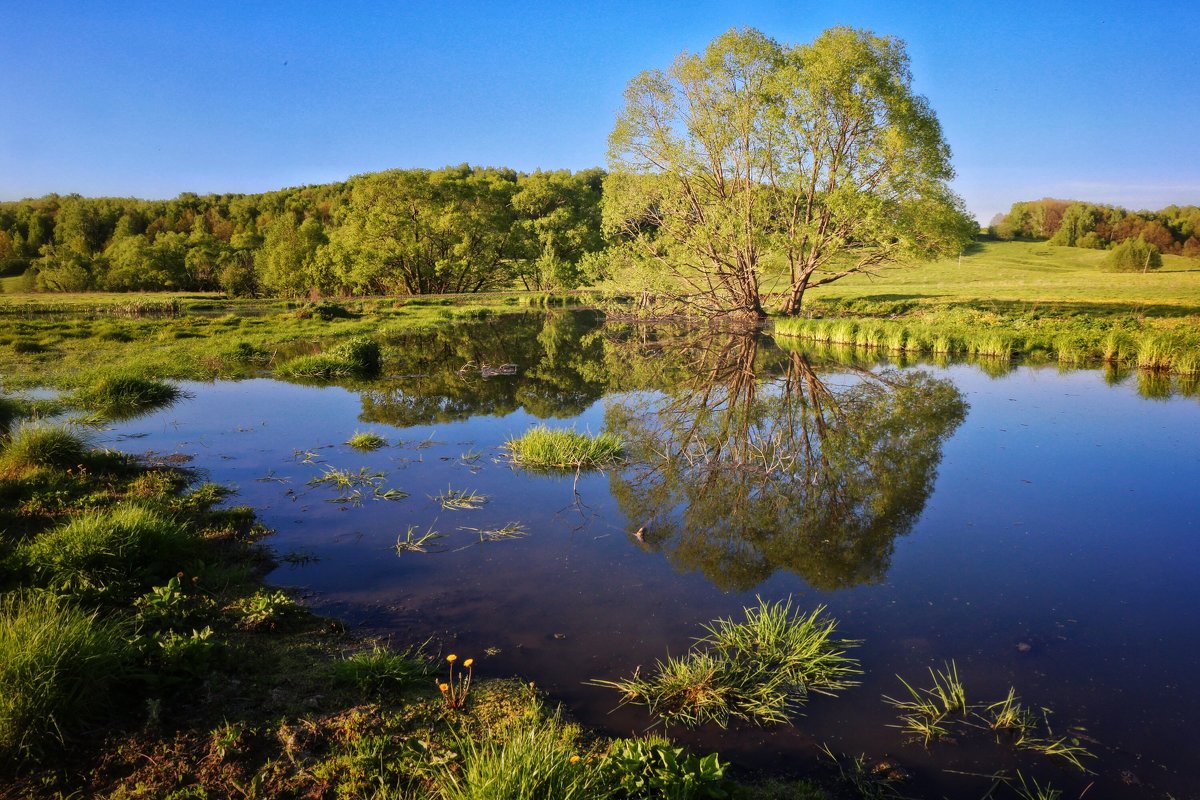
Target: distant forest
point(459, 229)
point(1174, 229)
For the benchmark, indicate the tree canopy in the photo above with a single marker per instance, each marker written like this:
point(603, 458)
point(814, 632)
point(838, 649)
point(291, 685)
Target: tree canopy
point(820, 156)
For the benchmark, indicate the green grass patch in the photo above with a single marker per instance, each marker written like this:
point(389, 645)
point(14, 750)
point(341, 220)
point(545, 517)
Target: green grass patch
point(357, 358)
point(367, 441)
point(58, 664)
point(381, 671)
point(546, 448)
point(118, 552)
point(124, 396)
point(32, 445)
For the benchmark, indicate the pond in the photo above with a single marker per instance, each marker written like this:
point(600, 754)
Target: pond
point(1035, 526)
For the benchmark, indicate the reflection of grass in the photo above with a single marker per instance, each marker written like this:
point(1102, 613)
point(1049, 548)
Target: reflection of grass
point(543, 448)
point(760, 670)
point(460, 500)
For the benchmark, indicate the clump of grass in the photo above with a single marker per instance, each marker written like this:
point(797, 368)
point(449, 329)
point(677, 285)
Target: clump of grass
point(366, 440)
point(40, 444)
point(357, 358)
point(124, 396)
point(381, 670)
point(10, 411)
point(412, 542)
point(760, 670)
point(1155, 352)
point(354, 487)
point(57, 667)
point(1032, 790)
point(544, 448)
point(513, 530)
point(117, 551)
point(1010, 715)
point(924, 710)
point(534, 760)
point(460, 499)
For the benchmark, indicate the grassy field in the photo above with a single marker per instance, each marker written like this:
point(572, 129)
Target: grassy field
point(1023, 275)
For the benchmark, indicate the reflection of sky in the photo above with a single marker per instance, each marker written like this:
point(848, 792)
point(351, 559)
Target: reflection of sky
point(1063, 517)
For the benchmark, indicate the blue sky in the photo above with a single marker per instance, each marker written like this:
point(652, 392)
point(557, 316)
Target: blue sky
point(1095, 100)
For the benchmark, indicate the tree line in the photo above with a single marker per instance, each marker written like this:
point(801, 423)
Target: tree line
point(752, 163)
point(419, 231)
point(1072, 223)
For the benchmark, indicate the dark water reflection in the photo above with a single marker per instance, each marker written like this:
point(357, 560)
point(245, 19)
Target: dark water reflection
point(938, 511)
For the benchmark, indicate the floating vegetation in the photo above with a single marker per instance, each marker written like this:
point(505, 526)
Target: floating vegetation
point(460, 500)
point(412, 542)
point(760, 670)
point(354, 487)
point(125, 396)
point(513, 530)
point(366, 440)
point(928, 713)
point(544, 448)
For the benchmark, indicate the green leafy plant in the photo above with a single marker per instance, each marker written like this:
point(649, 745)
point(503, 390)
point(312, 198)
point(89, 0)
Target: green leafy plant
point(544, 448)
point(654, 768)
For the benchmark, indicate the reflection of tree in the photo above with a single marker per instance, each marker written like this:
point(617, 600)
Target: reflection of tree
point(738, 476)
point(437, 374)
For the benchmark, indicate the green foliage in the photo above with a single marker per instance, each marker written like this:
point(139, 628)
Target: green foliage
point(819, 156)
point(534, 760)
point(653, 768)
point(267, 609)
point(356, 358)
point(760, 670)
point(58, 665)
point(42, 444)
point(1134, 255)
point(10, 411)
point(544, 448)
point(380, 671)
point(114, 552)
point(124, 396)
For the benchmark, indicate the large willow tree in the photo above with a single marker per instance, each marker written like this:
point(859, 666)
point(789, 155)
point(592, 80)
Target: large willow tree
point(817, 158)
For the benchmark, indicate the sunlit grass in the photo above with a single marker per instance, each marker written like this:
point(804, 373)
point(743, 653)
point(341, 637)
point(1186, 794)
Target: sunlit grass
point(380, 670)
point(760, 670)
point(414, 542)
point(123, 396)
point(42, 444)
point(460, 499)
point(366, 440)
point(546, 448)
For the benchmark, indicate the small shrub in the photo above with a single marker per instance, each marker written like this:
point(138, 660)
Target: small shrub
point(57, 667)
point(1134, 255)
point(40, 444)
point(116, 552)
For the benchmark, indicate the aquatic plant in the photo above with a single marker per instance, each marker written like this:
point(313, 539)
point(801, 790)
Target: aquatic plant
point(460, 499)
point(43, 444)
point(414, 543)
point(1032, 790)
point(366, 440)
point(58, 665)
point(123, 396)
point(1009, 715)
point(924, 710)
point(513, 530)
point(546, 448)
point(760, 670)
point(354, 487)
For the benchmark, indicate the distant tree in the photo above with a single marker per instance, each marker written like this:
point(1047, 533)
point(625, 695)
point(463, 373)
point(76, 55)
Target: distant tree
point(559, 217)
point(819, 153)
point(1078, 220)
point(1134, 255)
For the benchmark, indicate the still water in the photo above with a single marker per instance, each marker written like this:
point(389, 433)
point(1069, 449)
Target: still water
point(1033, 525)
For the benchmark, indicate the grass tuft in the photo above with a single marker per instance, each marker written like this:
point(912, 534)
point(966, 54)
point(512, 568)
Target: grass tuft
point(544, 448)
point(57, 665)
point(40, 444)
point(125, 396)
point(358, 358)
point(380, 670)
point(366, 440)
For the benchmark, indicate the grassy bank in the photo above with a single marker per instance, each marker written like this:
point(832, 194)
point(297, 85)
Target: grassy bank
point(1010, 299)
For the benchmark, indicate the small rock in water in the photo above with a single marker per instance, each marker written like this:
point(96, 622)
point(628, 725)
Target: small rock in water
point(560, 636)
point(1024, 647)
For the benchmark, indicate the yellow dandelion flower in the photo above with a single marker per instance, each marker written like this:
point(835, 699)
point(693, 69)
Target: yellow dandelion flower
point(452, 658)
point(445, 687)
point(574, 759)
point(468, 662)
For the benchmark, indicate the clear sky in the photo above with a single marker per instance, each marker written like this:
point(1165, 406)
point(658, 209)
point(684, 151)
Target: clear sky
point(1090, 100)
